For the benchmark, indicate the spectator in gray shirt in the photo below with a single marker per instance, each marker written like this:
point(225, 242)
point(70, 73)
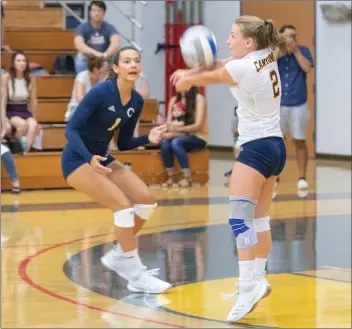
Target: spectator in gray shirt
point(95, 37)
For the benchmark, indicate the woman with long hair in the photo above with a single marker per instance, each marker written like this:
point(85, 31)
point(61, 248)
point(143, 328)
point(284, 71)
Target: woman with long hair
point(19, 97)
point(88, 167)
point(253, 76)
point(187, 135)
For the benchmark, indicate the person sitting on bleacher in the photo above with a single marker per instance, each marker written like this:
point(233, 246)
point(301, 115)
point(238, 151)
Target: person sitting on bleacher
point(6, 155)
point(85, 80)
point(95, 37)
point(19, 97)
point(195, 135)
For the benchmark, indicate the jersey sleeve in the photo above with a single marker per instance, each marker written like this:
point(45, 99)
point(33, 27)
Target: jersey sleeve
point(125, 140)
point(84, 110)
point(237, 68)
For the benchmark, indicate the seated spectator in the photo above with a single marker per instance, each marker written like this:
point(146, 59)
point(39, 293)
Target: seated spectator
point(85, 80)
point(7, 158)
point(19, 98)
point(96, 37)
point(142, 87)
point(187, 135)
point(2, 25)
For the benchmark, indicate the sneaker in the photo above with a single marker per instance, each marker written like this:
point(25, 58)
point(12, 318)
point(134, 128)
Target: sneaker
point(228, 173)
point(302, 184)
point(248, 298)
point(115, 261)
point(146, 282)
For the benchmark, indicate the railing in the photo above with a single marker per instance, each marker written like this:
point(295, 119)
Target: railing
point(132, 17)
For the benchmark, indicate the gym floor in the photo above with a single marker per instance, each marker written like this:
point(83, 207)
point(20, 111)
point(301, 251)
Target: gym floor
point(52, 241)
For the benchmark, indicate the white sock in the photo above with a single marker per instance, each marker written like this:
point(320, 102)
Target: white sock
point(133, 258)
point(259, 266)
point(246, 270)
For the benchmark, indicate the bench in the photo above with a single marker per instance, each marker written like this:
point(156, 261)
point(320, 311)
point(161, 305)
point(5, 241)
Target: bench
point(43, 170)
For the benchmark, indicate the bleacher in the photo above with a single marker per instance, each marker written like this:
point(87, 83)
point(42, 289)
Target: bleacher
point(39, 33)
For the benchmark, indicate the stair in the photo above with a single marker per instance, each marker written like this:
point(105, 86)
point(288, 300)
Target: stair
point(33, 17)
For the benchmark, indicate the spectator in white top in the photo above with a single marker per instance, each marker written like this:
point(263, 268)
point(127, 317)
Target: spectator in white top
point(95, 37)
point(85, 80)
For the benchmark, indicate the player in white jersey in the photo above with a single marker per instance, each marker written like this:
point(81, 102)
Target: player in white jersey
point(253, 76)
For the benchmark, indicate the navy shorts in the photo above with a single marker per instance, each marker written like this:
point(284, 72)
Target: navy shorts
point(71, 160)
point(266, 155)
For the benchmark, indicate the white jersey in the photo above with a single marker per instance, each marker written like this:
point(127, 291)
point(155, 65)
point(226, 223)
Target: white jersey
point(258, 92)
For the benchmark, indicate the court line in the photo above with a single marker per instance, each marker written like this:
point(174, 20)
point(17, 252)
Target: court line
point(22, 271)
point(36, 207)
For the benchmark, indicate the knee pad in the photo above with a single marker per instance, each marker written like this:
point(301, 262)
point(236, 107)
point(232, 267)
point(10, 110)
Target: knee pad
point(144, 211)
point(262, 224)
point(124, 218)
point(241, 221)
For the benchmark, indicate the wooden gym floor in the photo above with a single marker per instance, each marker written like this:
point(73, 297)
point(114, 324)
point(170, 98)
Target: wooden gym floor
point(51, 243)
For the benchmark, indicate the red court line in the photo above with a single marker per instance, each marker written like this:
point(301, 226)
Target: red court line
point(22, 271)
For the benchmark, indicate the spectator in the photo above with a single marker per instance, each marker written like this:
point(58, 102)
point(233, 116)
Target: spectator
point(294, 65)
point(85, 80)
point(19, 97)
point(6, 156)
point(2, 25)
point(194, 135)
point(234, 129)
point(142, 86)
point(96, 37)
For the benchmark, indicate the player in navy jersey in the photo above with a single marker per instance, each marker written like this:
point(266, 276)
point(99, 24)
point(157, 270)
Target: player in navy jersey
point(88, 167)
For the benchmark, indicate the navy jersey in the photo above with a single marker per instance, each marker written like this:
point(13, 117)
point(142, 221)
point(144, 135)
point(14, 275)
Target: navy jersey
point(97, 116)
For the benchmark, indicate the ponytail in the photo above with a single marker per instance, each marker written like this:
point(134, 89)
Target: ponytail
point(112, 75)
point(263, 31)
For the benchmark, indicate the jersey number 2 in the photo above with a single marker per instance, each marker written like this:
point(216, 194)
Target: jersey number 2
point(275, 83)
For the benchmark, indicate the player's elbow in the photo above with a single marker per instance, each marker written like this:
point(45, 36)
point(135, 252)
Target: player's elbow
point(123, 146)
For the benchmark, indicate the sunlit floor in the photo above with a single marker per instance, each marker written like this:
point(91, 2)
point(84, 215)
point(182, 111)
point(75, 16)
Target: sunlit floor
point(52, 241)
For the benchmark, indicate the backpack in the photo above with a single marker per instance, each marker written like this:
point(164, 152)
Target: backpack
point(64, 64)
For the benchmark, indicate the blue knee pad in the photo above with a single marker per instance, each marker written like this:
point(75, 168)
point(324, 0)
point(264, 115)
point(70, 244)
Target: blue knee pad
point(241, 221)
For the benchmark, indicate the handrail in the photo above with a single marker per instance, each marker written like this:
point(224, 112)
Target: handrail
point(66, 7)
point(129, 17)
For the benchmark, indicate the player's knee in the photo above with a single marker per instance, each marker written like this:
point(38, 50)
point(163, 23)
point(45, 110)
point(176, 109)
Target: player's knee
point(262, 224)
point(144, 211)
point(241, 221)
point(124, 218)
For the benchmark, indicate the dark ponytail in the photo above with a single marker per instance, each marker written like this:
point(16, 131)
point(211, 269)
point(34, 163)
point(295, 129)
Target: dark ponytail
point(112, 74)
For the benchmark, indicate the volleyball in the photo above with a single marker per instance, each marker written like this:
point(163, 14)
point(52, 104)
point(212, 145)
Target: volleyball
point(198, 46)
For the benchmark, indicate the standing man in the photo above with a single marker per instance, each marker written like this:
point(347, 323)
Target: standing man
point(95, 37)
point(294, 65)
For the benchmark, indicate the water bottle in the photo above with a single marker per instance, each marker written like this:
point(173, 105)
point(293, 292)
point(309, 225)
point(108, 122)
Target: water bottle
point(24, 142)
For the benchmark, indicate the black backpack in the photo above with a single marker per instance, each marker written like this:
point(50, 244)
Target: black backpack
point(64, 64)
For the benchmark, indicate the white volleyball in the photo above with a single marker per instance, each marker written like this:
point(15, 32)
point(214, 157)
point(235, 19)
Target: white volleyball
point(198, 46)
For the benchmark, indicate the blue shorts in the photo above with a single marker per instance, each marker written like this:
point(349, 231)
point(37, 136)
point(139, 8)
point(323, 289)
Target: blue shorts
point(71, 160)
point(266, 155)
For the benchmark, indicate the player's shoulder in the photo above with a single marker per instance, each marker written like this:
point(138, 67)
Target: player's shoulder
point(137, 98)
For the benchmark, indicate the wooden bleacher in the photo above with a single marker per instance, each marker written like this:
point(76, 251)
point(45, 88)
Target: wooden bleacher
point(38, 31)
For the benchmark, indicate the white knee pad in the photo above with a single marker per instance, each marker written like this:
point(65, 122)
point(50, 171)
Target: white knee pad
point(144, 211)
point(262, 224)
point(124, 218)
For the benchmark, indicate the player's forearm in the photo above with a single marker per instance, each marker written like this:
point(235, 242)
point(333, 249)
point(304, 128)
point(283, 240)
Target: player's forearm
point(76, 142)
point(125, 144)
